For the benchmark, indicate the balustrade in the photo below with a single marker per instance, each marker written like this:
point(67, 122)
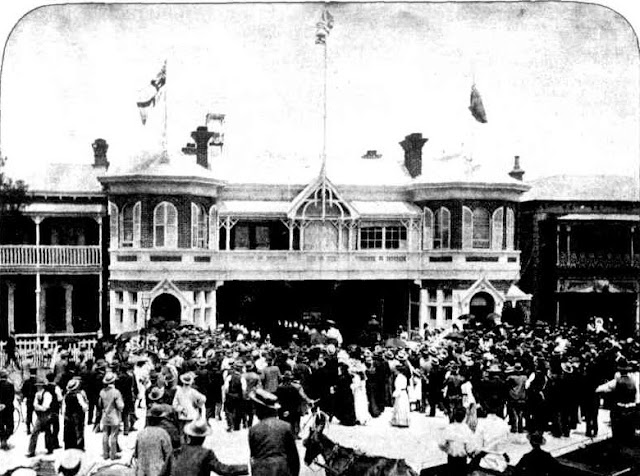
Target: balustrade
point(598, 260)
point(39, 350)
point(32, 255)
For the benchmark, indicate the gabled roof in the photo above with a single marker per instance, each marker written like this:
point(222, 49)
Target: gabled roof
point(584, 188)
point(316, 189)
point(158, 164)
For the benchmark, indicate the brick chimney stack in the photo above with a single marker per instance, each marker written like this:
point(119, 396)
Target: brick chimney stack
point(100, 148)
point(201, 136)
point(412, 145)
point(517, 173)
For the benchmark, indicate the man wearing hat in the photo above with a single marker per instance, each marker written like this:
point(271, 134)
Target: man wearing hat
point(7, 394)
point(234, 389)
point(27, 392)
point(76, 406)
point(188, 403)
point(291, 402)
point(271, 441)
point(517, 398)
point(169, 421)
point(153, 445)
point(194, 460)
point(42, 406)
point(623, 391)
point(537, 462)
point(112, 405)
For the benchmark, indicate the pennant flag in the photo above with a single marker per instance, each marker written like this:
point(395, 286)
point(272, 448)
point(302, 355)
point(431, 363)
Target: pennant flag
point(476, 107)
point(323, 27)
point(150, 95)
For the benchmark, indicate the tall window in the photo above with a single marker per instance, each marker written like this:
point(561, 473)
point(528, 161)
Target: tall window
point(497, 229)
point(165, 226)
point(481, 228)
point(467, 227)
point(511, 224)
point(395, 237)
point(130, 225)
point(427, 233)
point(199, 233)
point(113, 225)
point(442, 229)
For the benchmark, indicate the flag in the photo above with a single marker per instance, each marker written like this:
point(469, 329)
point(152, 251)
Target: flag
point(323, 27)
point(150, 95)
point(476, 107)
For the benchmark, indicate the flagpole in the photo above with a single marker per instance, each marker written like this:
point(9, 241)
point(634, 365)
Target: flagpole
point(165, 152)
point(324, 113)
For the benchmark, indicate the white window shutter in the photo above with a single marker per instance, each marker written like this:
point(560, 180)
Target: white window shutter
point(427, 238)
point(113, 225)
point(213, 228)
point(172, 226)
point(194, 225)
point(511, 225)
point(497, 229)
point(137, 216)
point(467, 227)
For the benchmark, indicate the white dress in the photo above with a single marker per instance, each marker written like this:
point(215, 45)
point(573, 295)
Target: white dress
point(360, 399)
point(401, 408)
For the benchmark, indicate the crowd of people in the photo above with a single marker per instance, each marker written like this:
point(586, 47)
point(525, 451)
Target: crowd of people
point(490, 380)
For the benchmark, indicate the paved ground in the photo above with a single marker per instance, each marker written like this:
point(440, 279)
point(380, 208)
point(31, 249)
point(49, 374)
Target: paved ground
point(417, 444)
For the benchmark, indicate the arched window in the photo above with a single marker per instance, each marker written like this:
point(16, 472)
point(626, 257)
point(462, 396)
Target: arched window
point(511, 225)
point(130, 226)
point(427, 234)
point(497, 229)
point(467, 227)
point(442, 229)
point(481, 228)
point(113, 225)
point(165, 226)
point(199, 234)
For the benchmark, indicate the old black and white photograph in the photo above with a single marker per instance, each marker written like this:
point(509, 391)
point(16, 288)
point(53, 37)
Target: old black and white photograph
point(320, 239)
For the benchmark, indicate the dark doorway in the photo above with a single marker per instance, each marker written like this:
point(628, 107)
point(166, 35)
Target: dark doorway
point(56, 309)
point(482, 304)
point(165, 307)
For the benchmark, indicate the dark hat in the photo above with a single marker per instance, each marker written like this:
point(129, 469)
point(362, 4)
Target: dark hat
point(4, 374)
point(73, 384)
point(156, 394)
point(202, 362)
point(266, 399)
point(537, 438)
point(109, 378)
point(287, 376)
point(155, 411)
point(198, 428)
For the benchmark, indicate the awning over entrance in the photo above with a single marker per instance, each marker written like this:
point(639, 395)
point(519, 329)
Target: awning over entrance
point(599, 217)
point(254, 208)
point(380, 208)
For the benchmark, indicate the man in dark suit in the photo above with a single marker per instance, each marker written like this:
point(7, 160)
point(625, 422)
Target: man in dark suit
point(271, 441)
point(7, 394)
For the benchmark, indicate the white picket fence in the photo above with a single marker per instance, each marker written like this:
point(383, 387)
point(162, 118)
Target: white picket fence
point(39, 350)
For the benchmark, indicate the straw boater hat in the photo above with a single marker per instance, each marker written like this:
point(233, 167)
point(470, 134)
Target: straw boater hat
point(187, 378)
point(156, 394)
point(567, 367)
point(198, 428)
point(402, 356)
point(73, 384)
point(202, 362)
point(70, 462)
point(109, 378)
point(265, 399)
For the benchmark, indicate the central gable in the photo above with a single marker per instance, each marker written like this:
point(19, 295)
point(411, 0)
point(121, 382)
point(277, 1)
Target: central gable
point(321, 200)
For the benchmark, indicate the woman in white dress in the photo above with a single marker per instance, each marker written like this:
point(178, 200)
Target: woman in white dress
point(359, 388)
point(401, 407)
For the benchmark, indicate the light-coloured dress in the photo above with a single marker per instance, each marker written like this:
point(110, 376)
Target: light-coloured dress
point(401, 408)
point(360, 399)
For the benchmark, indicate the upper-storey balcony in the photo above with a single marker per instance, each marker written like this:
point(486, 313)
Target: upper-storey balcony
point(50, 259)
point(602, 261)
point(268, 265)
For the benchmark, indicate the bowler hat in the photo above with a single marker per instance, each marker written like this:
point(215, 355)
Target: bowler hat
point(265, 398)
point(197, 428)
point(71, 461)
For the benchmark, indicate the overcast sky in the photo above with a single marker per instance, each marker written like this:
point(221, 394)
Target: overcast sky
point(560, 82)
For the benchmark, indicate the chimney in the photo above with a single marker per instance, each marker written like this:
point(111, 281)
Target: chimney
point(412, 145)
point(215, 123)
point(517, 172)
point(201, 136)
point(372, 154)
point(100, 148)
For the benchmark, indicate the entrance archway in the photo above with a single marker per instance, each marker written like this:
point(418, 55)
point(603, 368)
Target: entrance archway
point(165, 307)
point(482, 304)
